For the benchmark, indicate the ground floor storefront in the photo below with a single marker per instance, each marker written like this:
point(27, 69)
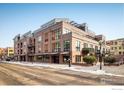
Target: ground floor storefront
point(53, 58)
point(45, 58)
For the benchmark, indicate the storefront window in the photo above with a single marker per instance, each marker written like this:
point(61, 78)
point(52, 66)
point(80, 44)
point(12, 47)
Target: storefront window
point(43, 58)
point(78, 58)
point(57, 47)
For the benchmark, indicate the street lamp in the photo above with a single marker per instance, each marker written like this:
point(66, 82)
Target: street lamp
point(69, 60)
point(100, 53)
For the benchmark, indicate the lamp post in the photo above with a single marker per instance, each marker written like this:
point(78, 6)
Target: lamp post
point(100, 53)
point(69, 60)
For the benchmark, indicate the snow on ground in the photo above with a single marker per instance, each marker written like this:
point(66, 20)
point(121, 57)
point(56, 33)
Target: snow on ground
point(90, 69)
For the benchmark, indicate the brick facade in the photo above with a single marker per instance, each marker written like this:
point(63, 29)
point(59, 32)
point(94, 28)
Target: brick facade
point(55, 42)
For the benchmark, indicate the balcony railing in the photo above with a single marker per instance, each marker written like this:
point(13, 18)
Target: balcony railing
point(31, 52)
point(56, 50)
point(46, 50)
point(31, 45)
point(66, 49)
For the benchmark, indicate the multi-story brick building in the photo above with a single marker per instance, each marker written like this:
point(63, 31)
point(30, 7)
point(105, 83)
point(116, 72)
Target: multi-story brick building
point(56, 41)
point(24, 47)
point(116, 46)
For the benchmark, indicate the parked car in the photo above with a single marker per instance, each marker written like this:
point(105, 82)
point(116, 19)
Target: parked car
point(8, 59)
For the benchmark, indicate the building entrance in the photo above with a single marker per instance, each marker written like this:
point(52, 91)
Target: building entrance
point(55, 59)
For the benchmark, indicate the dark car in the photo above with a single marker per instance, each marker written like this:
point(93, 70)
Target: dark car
point(8, 59)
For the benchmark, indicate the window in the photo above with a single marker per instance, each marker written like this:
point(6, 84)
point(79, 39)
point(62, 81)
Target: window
point(21, 51)
point(66, 31)
point(53, 46)
point(24, 44)
point(39, 49)
point(18, 38)
point(78, 58)
point(116, 43)
point(119, 53)
point(85, 45)
point(53, 35)
point(66, 45)
point(120, 47)
point(46, 58)
point(112, 48)
point(39, 38)
point(91, 46)
point(56, 47)
point(96, 48)
point(10, 50)
point(46, 47)
point(57, 33)
point(46, 37)
point(21, 45)
point(18, 45)
point(18, 51)
point(77, 45)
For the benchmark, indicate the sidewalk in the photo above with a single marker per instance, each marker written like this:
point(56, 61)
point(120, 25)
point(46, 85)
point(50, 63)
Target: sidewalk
point(107, 70)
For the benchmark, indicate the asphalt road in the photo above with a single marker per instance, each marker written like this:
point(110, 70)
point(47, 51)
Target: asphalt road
point(13, 74)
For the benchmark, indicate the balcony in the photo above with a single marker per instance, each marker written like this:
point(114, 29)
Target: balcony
point(46, 51)
point(31, 45)
point(66, 49)
point(56, 50)
point(31, 52)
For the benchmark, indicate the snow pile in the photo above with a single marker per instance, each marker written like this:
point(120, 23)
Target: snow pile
point(92, 70)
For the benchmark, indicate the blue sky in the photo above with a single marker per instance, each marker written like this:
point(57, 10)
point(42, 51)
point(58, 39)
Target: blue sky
point(106, 19)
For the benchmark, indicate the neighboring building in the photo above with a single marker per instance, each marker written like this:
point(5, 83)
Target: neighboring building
point(10, 51)
point(6, 53)
point(116, 46)
point(2, 53)
point(56, 41)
